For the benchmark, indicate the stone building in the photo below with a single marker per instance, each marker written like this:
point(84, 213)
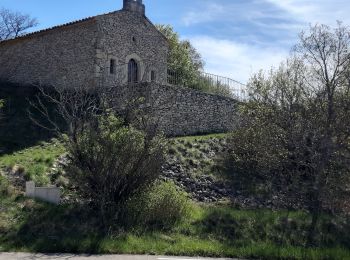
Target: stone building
point(114, 48)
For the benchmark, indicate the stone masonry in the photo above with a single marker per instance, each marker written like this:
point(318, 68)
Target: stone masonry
point(97, 51)
point(80, 53)
point(181, 111)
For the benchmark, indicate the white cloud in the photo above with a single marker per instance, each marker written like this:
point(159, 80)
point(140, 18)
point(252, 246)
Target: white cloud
point(236, 60)
point(296, 13)
point(267, 30)
point(315, 11)
point(209, 13)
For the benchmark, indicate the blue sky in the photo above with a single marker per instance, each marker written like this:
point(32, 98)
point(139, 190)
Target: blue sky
point(235, 37)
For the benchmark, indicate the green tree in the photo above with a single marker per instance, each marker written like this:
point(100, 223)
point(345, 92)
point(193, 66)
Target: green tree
point(184, 61)
point(185, 65)
point(295, 133)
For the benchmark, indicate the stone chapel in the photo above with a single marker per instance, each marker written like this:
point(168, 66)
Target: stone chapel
point(105, 50)
point(116, 50)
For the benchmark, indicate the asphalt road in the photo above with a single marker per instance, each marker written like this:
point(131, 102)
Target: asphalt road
point(25, 256)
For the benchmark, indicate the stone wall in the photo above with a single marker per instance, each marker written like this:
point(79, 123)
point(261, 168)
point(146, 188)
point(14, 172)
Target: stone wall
point(79, 53)
point(180, 111)
point(126, 35)
point(61, 56)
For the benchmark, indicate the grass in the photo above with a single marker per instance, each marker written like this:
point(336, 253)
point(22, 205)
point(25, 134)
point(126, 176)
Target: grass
point(209, 230)
point(197, 154)
point(218, 231)
point(202, 137)
point(34, 162)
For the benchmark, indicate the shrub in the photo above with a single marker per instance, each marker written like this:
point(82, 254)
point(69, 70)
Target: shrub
point(161, 206)
point(111, 162)
point(253, 158)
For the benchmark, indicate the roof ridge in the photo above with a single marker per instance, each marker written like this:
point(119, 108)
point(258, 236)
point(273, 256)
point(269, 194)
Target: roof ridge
point(27, 35)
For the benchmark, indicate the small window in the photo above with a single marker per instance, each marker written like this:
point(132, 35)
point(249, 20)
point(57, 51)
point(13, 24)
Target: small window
point(133, 71)
point(153, 75)
point(133, 39)
point(112, 66)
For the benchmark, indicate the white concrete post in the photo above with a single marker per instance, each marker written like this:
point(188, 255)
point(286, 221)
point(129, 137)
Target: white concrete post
point(30, 189)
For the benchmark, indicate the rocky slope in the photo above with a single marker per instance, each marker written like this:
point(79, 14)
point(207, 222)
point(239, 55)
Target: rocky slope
point(190, 164)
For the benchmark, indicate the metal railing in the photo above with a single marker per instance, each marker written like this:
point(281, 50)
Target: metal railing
point(134, 73)
point(209, 83)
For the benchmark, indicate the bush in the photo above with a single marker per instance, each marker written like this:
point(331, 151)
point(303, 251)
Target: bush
point(161, 206)
point(111, 162)
point(254, 157)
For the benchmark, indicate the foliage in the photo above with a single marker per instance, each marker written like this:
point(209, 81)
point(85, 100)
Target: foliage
point(161, 206)
point(111, 162)
point(197, 154)
point(183, 60)
point(4, 186)
point(203, 138)
point(219, 231)
point(255, 159)
point(208, 85)
point(294, 135)
point(208, 231)
point(185, 65)
point(13, 24)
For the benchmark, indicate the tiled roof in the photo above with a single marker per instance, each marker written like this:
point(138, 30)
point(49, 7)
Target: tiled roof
point(28, 35)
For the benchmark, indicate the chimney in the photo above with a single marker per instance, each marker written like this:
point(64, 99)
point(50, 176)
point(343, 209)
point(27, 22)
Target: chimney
point(134, 6)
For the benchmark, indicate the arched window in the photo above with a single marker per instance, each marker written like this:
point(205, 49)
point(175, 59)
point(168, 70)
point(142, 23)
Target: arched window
point(133, 72)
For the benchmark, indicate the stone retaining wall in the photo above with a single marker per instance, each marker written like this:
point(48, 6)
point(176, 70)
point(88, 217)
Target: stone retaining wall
point(180, 111)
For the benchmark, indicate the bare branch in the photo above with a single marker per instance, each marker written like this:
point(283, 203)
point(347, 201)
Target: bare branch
point(14, 24)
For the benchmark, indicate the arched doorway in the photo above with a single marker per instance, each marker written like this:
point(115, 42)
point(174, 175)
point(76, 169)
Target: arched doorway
point(133, 71)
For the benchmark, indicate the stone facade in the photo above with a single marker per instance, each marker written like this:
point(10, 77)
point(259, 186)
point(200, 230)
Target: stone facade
point(181, 111)
point(80, 53)
point(96, 52)
point(62, 56)
point(138, 40)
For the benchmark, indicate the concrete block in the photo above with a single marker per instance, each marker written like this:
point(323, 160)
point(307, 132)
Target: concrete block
point(48, 194)
point(30, 189)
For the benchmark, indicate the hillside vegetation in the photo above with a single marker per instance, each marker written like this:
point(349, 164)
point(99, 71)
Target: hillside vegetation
point(219, 227)
point(276, 187)
point(214, 229)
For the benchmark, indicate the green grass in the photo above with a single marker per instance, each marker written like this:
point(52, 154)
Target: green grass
point(197, 154)
point(34, 162)
point(209, 230)
point(218, 231)
point(202, 137)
